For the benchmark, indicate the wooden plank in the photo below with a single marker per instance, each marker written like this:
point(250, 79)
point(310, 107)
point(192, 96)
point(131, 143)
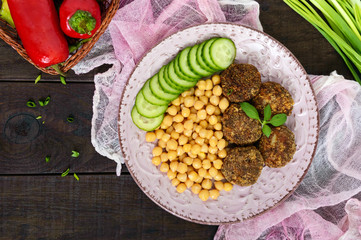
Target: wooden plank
point(96, 207)
point(25, 141)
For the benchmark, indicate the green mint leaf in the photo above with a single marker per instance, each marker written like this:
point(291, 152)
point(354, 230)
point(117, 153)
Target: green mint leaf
point(267, 113)
point(47, 100)
point(31, 103)
point(250, 110)
point(278, 119)
point(266, 130)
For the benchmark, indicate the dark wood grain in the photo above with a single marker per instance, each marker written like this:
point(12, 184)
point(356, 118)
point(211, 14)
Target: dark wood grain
point(26, 141)
point(96, 207)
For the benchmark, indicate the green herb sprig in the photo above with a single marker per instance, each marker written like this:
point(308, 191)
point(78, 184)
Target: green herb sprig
point(276, 120)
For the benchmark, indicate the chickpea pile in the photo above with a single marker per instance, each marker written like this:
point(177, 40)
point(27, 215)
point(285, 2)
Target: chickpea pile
point(191, 147)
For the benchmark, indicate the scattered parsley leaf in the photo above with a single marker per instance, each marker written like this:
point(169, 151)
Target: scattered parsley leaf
point(38, 117)
point(47, 100)
point(37, 79)
point(76, 177)
point(75, 154)
point(65, 173)
point(41, 103)
point(230, 91)
point(31, 103)
point(62, 80)
point(47, 158)
point(70, 118)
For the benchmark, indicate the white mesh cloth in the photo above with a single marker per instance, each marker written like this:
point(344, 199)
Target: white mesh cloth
point(335, 174)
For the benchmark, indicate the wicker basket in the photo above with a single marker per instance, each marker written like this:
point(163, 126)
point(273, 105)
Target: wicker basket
point(10, 36)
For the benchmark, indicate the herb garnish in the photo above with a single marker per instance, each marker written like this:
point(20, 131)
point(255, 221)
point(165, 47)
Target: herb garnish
point(230, 91)
point(70, 118)
point(276, 120)
point(75, 154)
point(76, 176)
point(65, 173)
point(62, 80)
point(31, 103)
point(47, 158)
point(37, 79)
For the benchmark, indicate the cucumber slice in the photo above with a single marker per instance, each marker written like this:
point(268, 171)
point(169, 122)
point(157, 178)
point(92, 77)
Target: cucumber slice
point(150, 97)
point(222, 52)
point(146, 109)
point(144, 123)
point(206, 54)
point(192, 56)
point(176, 79)
point(184, 66)
point(158, 90)
point(166, 85)
point(179, 72)
point(200, 58)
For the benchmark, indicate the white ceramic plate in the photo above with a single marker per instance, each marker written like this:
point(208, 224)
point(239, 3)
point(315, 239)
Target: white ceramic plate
point(275, 63)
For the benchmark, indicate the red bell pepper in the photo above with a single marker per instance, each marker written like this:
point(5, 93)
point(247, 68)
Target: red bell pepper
point(37, 25)
point(79, 18)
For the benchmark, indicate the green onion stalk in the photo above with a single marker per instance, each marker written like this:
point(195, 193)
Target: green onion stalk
point(339, 21)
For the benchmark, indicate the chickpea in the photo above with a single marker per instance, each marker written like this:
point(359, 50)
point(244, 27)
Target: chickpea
point(156, 160)
point(206, 164)
point(204, 148)
point(210, 109)
point(219, 176)
point(227, 186)
point(196, 148)
point(202, 172)
point(181, 187)
point(173, 166)
point(222, 153)
point(204, 99)
point(217, 111)
point(178, 118)
point(188, 160)
point(201, 155)
point(164, 167)
point(171, 175)
point(199, 179)
point(189, 183)
point(150, 137)
point(175, 182)
point(198, 92)
point(182, 177)
point(193, 117)
point(198, 105)
point(203, 133)
point(159, 133)
point(189, 101)
point(193, 176)
point(216, 79)
point(199, 141)
point(202, 114)
point(218, 185)
point(188, 124)
point(213, 120)
point(157, 151)
point(214, 194)
point(204, 195)
point(209, 84)
point(182, 140)
point(208, 93)
point(185, 112)
point(164, 157)
point(161, 143)
point(181, 157)
point(182, 168)
point(187, 93)
point(167, 120)
point(172, 110)
point(178, 127)
point(188, 132)
point(176, 102)
point(213, 141)
point(223, 104)
point(209, 134)
point(214, 100)
point(218, 126)
point(196, 188)
point(212, 171)
point(169, 130)
point(217, 164)
point(221, 144)
point(172, 144)
point(211, 157)
point(217, 90)
point(187, 147)
point(197, 163)
point(194, 136)
point(165, 137)
point(201, 85)
point(218, 134)
point(172, 155)
point(213, 150)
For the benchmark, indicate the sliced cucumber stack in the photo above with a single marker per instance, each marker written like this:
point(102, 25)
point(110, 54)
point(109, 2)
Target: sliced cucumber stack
point(179, 75)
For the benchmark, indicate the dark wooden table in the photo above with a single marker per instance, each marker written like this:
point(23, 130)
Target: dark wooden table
point(37, 203)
